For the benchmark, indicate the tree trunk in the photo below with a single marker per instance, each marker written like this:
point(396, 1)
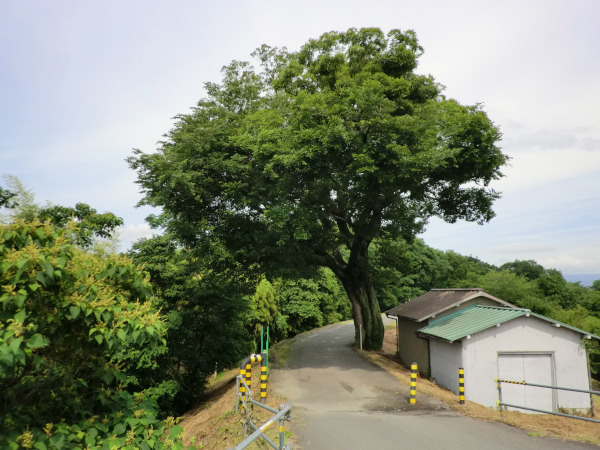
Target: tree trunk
point(358, 284)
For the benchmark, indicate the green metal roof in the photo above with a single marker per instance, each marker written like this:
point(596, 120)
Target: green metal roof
point(478, 318)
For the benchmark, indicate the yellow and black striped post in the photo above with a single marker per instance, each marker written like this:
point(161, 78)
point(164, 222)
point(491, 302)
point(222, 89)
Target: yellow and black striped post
point(263, 378)
point(413, 384)
point(249, 362)
point(461, 386)
point(246, 376)
point(241, 387)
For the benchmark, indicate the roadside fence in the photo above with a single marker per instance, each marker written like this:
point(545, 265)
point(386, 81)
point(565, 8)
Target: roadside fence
point(501, 404)
point(245, 403)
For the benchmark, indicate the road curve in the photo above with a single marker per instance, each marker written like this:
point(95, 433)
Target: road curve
point(342, 401)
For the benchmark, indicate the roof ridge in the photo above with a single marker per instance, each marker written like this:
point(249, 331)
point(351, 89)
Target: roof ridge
point(456, 289)
point(500, 307)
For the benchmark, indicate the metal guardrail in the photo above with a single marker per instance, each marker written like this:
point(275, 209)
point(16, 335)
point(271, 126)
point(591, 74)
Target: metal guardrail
point(501, 403)
point(246, 374)
point(245, 402)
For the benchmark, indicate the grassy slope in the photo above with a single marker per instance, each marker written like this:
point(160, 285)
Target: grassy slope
point(213, 424)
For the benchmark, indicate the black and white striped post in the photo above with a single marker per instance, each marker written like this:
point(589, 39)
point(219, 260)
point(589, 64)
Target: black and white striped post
point(413, 384)
point(461, 386)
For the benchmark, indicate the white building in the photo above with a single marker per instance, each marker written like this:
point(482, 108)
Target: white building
point(511, 344)
point(421, 311)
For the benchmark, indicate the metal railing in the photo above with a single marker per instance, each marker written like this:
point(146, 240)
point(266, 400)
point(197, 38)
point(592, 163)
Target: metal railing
point(246, 374)
point(573, 416)
point(244, 400)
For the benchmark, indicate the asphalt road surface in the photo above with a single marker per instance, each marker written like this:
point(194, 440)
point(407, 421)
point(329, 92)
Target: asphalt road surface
point(341, 401)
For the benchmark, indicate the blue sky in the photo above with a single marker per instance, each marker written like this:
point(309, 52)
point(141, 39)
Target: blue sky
point(83, 83)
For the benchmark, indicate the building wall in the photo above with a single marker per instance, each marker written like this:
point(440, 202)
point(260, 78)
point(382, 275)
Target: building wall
point(411, 348)
point(446, 358)
point(524, 335)
point(414, 349)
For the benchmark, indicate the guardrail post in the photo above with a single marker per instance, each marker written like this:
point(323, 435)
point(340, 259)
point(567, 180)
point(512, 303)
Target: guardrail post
point(282, 429)
point(263, 378)
point(413, 384)
point(500, 398)
point(461, 386)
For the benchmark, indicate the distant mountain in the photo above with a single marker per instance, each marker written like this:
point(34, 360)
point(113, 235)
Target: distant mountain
point(586, 279)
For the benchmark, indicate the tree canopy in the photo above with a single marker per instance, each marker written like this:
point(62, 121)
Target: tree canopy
point(305, 160)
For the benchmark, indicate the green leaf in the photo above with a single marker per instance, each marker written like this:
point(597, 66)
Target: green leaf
point(41, 278)
point(90, 440)
point(175, 431)
point(21, 262)
point(57, 441)
point(99, 338)
point(6, 358)
point(20, 316)
point(61, 261)
point(40, 445)
point(74, 310)
point(132, 421)
point(15, 344)
point(20, 357)
point(36, 341)
point(20, 298)
point(120, 428)
point(33, 287)
point(48, 269)
point(121, 334)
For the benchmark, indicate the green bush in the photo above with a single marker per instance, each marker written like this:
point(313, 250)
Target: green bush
point(74, 327)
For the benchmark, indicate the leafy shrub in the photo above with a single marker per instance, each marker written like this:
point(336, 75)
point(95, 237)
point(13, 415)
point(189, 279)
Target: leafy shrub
point(73, 328)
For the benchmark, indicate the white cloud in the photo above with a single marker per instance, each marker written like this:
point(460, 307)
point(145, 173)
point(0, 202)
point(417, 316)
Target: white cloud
point(131, 233)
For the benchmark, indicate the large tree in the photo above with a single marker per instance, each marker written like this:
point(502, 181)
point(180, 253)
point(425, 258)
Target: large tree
point(306, 160)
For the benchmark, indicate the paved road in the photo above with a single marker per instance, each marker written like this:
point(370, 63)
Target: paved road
point(342, 401)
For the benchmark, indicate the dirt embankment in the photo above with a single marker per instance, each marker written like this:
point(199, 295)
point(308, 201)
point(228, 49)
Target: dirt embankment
point(213, 424)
